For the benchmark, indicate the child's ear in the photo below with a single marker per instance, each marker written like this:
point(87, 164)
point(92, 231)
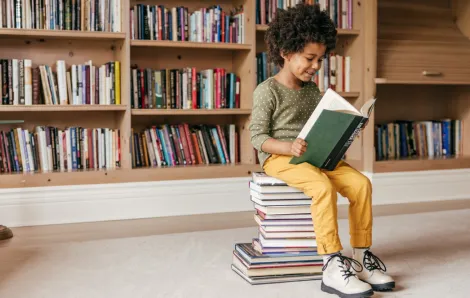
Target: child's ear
point(285, 56)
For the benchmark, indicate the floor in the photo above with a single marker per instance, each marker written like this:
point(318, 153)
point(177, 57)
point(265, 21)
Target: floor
point(427, 253)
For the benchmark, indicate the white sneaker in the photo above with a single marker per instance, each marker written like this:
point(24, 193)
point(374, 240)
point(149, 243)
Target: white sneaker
point(374, 270)
point(340, 280)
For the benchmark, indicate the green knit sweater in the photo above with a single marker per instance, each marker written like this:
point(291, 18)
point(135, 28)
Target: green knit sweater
point(280, 112)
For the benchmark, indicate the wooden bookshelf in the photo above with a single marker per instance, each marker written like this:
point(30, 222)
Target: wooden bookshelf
point(419, 73)
point(62, 108)
point(385, 64)
point(17, 180)
point(437, 81)
point(60, 34)
point(264, 28)
point(190, 45)
point(421, 164)
point(195, 112)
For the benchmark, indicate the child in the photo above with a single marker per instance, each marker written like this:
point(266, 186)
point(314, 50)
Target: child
point(298, 38)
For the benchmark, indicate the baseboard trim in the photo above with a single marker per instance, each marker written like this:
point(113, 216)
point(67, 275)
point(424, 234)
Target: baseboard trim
point(107, 202)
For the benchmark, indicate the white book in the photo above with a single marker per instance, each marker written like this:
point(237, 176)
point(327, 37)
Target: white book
point(28, 82)
point(47, 163)
point(29, 150)
point(92, 84)
point(273, 189)
point(23, 151)
point(339, 73)
point(261, 178)
point(291, 235)
point(287, 202)
point(16, 82)
point(74, 84)
point(334, 102)
point(60, 135)
point(347, 74)
point(279, 196)
point(102, 83)
point(285, 225)
point(283, 209)
point(69, 150)
point(95, 149)
point(62, 82)
point(307, 242)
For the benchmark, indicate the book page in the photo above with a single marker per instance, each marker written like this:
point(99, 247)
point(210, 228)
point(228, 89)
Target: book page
point(330, 101)
point(368, 107)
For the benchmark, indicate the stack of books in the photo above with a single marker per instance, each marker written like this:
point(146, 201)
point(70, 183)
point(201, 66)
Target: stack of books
point(286, 249)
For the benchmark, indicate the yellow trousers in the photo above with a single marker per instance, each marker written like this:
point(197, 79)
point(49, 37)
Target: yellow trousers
point(322, 186)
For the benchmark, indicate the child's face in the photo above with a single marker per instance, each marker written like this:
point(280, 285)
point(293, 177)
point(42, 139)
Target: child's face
point(305, 64)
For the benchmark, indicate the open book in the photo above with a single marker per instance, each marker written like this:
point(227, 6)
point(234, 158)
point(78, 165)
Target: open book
point(331, 129)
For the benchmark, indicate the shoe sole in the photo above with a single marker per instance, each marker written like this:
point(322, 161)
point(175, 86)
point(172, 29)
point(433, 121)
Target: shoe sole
point(383, 287)
point(6, 234)
point(331, 290)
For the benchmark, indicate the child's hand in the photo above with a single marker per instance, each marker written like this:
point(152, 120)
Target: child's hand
point(298, 147)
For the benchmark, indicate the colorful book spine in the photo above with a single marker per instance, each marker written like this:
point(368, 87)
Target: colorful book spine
point(211, 24)
point(184, 144)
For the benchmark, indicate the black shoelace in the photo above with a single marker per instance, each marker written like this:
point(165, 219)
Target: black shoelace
point(372, 262)
point(346, 265)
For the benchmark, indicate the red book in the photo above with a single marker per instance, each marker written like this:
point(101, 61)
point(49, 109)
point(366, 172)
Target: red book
point(184, 141)
point(190, 143)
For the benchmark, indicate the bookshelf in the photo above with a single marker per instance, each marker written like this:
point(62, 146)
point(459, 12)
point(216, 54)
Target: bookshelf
point(422, 71)
point(387, 59)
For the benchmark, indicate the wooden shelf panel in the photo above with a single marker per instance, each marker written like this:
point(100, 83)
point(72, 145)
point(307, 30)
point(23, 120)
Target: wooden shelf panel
point(60, 34)
point(189, 45)
point(429, 81)
point(421, 164)
point(264, 28)
point(169, 112)
point(348, 94)
point(62, 108)
point(123, 176)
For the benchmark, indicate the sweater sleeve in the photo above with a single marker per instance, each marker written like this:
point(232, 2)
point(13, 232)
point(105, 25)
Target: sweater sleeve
point(263, 109)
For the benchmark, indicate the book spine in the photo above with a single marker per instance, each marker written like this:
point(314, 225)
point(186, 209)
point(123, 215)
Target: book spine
point(336, 155)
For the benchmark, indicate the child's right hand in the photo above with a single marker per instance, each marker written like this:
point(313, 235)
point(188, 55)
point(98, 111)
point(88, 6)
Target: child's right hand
point(298, 147)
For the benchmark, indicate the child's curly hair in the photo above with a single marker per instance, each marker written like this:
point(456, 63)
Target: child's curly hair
point(292, 29)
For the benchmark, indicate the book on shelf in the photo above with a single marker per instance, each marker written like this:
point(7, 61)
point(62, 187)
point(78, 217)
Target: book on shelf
point(184, 144)
point(211, 24)
point(432, 138)
point(285, 249)
point(334, 72)
point(184, 88)
point(331, 129)
point(84, 84)
point(340, 11)
point(48, 149)
point(82, 15)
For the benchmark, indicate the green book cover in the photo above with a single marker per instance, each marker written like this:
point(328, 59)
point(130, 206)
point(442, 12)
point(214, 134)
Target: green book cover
point(331, 129)
point(327, 137)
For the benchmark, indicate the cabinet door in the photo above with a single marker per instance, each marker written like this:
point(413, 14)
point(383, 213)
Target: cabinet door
point(422, 61)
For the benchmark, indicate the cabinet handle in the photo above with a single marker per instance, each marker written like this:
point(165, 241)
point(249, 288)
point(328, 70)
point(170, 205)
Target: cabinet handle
point(432, 73)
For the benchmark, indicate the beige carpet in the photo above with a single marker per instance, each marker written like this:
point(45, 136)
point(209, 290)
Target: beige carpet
point(428, 253)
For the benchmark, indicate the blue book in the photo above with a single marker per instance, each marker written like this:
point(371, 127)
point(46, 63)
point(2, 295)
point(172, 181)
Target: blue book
point(220, 151)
